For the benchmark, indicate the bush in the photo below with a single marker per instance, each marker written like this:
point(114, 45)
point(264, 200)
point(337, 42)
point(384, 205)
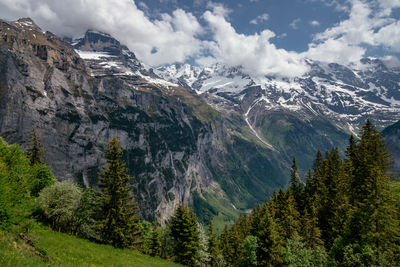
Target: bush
point(41, 178)
point(83, 215)
point(296, 254)
point(59, 203)
point(15, 173)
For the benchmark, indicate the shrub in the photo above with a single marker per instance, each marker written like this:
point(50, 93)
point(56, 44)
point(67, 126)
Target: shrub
point(59, 203)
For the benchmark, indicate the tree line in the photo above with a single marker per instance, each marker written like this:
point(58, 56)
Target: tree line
point(346, 213)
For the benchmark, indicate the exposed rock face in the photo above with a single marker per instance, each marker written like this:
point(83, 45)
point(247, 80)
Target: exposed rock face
point(175, 143)
point(392, 138)
point(211, 137)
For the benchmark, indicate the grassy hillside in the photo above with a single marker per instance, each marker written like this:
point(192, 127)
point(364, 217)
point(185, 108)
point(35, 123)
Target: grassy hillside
point(65, 250)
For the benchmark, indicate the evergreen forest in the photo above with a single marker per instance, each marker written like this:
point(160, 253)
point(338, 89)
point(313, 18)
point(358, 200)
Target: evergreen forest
point(344, 212)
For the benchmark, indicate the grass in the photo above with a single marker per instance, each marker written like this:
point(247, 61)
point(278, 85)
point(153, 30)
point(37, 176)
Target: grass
point(227, 215)
point(66, 250)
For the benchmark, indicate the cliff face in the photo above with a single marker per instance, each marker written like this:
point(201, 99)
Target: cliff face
point(175, 143)
point(391, 134)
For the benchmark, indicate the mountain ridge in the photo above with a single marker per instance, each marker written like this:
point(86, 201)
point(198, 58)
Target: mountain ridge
point(174, 143)
point(215, 132)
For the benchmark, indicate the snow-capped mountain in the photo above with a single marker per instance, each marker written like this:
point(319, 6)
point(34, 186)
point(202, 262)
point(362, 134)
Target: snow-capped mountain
point(217, 131)
point(345, 95)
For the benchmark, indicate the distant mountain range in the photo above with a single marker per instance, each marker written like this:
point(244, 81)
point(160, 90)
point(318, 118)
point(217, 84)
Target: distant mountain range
point(216, 137)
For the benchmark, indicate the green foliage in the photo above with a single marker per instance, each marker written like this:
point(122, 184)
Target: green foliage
point(204, 257)
point(41, 178)
point(59, 203)
point(154, 241)
point(270, 241)
point(373, 221)
point(297, 186)
point(167, 243)
point(185, 233)
point(35, 151)
point(349, 209)
point(15, 176)
point(212, 244)
point(249, 252)
point(83, 215)
point(203, 210)
point(117, 220)
point(67, 250)
point(297, 254)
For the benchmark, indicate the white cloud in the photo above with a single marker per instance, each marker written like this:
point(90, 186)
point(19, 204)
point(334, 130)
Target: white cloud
point(174, 36)
point(335, 51)
point(345, 42)
point(283, 35)
point(391, 61)
point(314, 23)
point(259, 19)
point(294, 23)
point(255, 53)
point(219, 9)
point(178, 36)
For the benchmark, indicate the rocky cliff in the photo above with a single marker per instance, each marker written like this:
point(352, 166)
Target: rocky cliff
point(392, 138)
point(178, 147)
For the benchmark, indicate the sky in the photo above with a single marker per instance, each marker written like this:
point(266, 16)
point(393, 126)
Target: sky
point(265, 37)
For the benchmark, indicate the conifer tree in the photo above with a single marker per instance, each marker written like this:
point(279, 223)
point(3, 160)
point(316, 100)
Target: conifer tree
point(318, 160)
point(118, 219)
point(290, 220)
point(155, 241)
point(333, 211)
point(232, 245)
point(373, 221)
point(310, 231)
point(185, 233)
point(269, 240)
point(212, 244)
point(311, 197)
point(297, 186)
point(35, 150)
point(249, 248)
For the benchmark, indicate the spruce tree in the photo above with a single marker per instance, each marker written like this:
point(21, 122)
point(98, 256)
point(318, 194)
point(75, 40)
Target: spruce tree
point(333, 212)
point(373, 221)
point(35, 150)
point(212, 244)
point(318, 160)
point(310, 231)
point(118, 219)
point(297, 186)
point(155, 241)
point(185, 233)
point(269, 240)
point(290, 220)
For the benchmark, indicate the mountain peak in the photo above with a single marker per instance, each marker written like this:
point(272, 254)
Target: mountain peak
point(95, 41)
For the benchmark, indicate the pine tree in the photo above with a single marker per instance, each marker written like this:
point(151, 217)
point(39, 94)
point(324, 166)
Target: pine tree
point(118, 219)
point(212, 244)
point(35, 151)
point(310, 231)
point(373, 221)
point(333, 212)
point(155, 241)
point(249, 248)
point(231, 245)
point(270, 242)
point(297, 186)
point(185, 233)
point(318, 160)
point(290, 220)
